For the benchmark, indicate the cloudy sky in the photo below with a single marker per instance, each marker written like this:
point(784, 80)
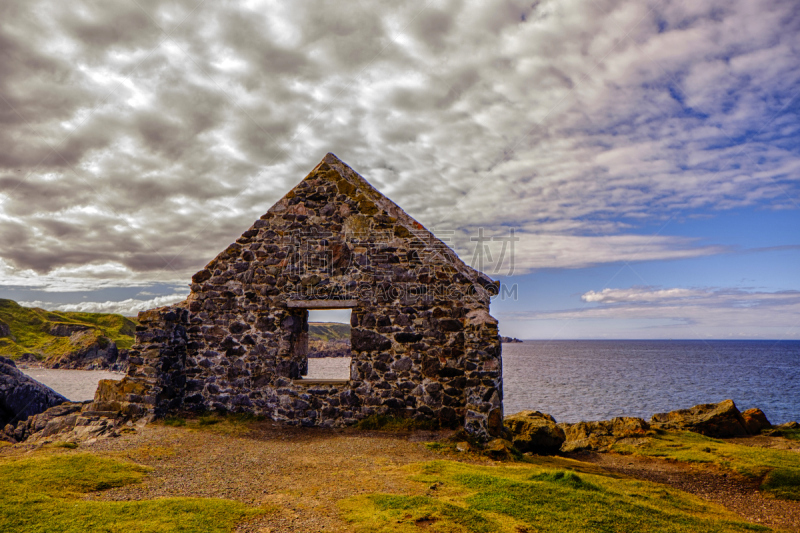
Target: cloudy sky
point(645, 153)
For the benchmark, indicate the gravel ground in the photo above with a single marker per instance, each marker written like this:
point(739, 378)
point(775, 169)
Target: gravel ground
point(299, 474)
point(735, 492)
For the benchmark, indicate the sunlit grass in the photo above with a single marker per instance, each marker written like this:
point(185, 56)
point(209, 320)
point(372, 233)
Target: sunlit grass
point(530, 497)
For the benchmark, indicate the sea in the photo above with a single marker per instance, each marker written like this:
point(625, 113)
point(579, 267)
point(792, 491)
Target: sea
point(598, 380)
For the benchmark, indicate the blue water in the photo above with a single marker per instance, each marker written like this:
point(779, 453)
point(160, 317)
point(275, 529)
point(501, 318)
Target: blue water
point(597, 380)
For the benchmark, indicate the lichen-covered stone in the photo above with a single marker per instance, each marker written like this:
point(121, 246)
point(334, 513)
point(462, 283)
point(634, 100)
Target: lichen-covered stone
point(423, 342)
point(535, 432)
point(755, 421)
point(718, 420)
point(603, 434)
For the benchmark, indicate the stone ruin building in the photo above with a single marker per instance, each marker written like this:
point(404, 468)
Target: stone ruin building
point(423, 343)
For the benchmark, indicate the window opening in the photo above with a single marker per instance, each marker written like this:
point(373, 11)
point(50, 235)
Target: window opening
point(329, 354)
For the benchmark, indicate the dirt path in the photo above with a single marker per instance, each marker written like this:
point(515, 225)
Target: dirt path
point(735, 492)
point(298, 474)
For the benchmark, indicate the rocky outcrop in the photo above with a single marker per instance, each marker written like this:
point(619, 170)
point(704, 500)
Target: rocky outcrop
point(91, 352)
point(601, 435)
point(509, 339)
point(5, 329)
point(535, 432)
point(69, 422)
point(21, 396)
point(755, 421)
point(717, 420)
point(66, 329)
point(318, 349)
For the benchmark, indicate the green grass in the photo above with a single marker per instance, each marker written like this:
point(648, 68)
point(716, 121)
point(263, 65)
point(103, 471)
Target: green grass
point(328, 331)
point(236, 424)
point(535, 497)
point(394, 423)
point(30, 329)
point(781, 467)
point(793, 434)
point(47, 493)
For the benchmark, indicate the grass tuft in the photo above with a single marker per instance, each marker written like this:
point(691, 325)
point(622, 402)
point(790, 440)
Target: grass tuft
point(565, 478)
point(783, 484)
point(67, 445)
point(174, 421)
point(394, 423)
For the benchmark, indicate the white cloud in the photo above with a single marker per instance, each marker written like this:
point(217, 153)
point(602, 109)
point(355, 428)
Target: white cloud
point(639, 295)
point(646, 312)
point(129, 307)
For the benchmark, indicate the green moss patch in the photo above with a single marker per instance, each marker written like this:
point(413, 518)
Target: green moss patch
point(47, 493)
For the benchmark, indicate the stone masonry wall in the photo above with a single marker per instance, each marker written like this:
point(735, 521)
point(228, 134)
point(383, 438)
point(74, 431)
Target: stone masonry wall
point(423, 342)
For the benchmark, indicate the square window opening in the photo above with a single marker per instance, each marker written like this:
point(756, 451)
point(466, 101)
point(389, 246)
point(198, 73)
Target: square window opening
point(329, 354)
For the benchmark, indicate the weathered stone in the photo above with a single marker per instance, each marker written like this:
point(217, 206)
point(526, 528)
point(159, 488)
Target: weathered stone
point(368, 341)
point(420, 319)
point(755, 421)
point(535, 432)
point(603, 434)
point(499, 450)
point(5, 329)
point(719, 420)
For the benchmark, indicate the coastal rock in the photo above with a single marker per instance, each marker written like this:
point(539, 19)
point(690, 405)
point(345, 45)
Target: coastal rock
point(509, 340)
point(718, 420)
point(755, 421)
point(601, 435)
point(788, 425)
point(91, 352)
point(499, 449)
point(337, 348)
point(70, 422)
point(22, 396)
point(5, 329)
point(536, 432)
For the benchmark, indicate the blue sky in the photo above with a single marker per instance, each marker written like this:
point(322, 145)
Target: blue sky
point(646, 154)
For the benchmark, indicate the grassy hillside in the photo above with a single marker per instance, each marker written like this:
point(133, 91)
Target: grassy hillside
point(30, 330)
point(328, 331)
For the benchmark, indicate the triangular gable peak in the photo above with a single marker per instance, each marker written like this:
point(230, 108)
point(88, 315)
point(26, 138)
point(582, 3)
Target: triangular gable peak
point(334, 222)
